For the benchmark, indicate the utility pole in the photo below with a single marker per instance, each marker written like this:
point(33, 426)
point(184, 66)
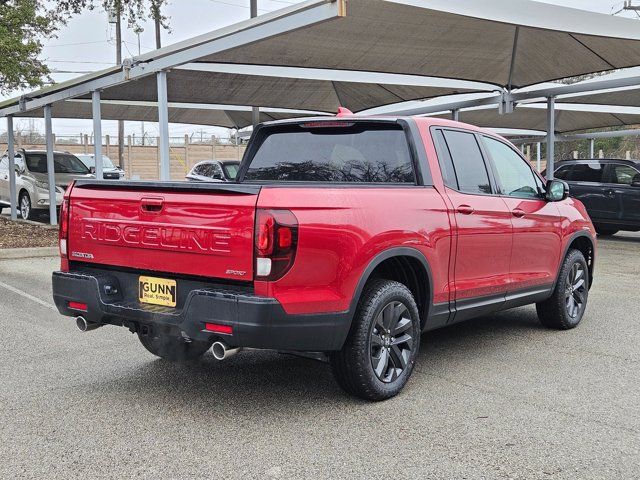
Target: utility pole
point(138, 31)
point(628, 6)
point(255, 111)
point(155, 13)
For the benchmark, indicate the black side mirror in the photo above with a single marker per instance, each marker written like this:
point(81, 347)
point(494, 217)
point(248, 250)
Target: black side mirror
point(557, 190)
point(92, 170)
point(635, 182)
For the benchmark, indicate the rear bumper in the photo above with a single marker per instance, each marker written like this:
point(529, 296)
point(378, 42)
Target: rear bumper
point(257, 322)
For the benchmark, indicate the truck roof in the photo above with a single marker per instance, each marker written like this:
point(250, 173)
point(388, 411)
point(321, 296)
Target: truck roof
point(427, 121)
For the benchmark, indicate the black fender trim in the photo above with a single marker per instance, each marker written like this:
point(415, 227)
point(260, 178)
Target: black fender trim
point(377, 260)
point(591, 266)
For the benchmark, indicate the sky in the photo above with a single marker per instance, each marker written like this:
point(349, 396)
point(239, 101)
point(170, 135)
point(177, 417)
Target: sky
point(87, 44)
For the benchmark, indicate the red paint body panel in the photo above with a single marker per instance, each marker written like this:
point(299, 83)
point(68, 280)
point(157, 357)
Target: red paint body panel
point(343, 229)
point(484, 245)
point(478, 251)
point(204, 234)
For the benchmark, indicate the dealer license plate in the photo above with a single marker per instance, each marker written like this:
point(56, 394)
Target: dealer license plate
point(157, 291)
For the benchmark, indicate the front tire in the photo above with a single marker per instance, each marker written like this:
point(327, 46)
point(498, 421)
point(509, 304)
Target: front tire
point(566, 307)
point(174, 349)
point(24, 202)
point(606, 232)
point(379, 354)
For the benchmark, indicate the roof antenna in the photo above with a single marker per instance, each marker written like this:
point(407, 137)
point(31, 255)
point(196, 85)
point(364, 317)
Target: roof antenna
point(344, 112)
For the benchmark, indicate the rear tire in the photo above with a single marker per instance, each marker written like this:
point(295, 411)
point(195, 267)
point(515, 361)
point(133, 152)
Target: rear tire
point(174, 349)
point(566, 307)
point(379, 354)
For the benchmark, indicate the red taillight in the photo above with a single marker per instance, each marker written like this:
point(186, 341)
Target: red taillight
point(276, 243)
point(265, 235)
point(285, 237)
point(78, 306)
point(64, 228)
point(217, 328)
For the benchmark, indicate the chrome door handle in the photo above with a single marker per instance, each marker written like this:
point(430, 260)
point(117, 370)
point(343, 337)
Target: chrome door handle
point(518, 212)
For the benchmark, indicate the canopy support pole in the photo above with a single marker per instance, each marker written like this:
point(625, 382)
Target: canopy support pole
point(53, 217)
point(455, 115)
point(551, 134)
point(13, 195)
point(538, 156)
point(163, 126)
point(97, 132)
point(255, 111)
point(592, 142)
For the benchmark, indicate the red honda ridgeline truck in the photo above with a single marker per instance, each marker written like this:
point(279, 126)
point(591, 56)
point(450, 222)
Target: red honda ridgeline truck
point(349, 236)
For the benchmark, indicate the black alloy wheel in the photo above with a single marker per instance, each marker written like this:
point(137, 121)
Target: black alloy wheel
point(391, 341)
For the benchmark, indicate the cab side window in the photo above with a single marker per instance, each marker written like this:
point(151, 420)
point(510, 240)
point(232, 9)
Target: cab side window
point(563, 172)
point(515, 176)
point(468, 163)
point(623, 174)
point(587, 172)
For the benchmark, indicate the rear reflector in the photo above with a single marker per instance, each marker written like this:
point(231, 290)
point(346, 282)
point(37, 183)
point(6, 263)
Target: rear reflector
point(78, 306)
point(217, 328)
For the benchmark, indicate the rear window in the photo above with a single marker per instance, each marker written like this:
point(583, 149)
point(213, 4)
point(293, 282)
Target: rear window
point(357, 152)
point(63, 163)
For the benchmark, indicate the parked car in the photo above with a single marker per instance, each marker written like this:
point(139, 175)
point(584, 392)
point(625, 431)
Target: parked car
point(348, 236)
point(609, 189)
point(214, 171)
point(32, 183)
point(109, 170)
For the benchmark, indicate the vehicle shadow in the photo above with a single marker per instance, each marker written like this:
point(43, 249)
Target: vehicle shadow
point(257, 380)
point(624, 237)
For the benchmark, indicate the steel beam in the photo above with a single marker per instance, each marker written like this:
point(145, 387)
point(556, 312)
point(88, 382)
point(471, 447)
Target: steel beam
point(538, 156)
point(455, 115)
point(163, 127)
point(13, 195)
point(589, 87)
point(265, 26)
point(551, 134)
point(67, 93)
point(434, 107)
point(51, 175)
point(592, 142)
point(97, 133)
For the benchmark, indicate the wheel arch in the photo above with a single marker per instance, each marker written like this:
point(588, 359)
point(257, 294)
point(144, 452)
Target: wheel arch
point(403, 264)
point(583, 242)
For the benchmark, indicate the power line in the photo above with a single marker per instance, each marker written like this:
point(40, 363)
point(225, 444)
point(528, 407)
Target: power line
point(75, 44)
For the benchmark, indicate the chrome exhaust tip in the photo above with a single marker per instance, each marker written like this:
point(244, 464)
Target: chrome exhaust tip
point(84, 326)
point(222, 351)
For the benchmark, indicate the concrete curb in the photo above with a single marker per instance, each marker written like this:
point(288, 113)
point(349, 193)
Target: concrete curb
point(12, 253)
point(46, 226)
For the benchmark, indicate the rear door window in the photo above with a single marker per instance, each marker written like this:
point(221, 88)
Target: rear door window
point(354, 153)
point(470, 169)
point(622, 174)
point(587, 172)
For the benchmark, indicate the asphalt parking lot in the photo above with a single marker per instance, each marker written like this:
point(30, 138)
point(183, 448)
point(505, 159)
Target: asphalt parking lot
point(498, 397)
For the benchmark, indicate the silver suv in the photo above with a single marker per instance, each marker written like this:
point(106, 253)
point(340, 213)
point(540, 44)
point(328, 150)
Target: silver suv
point(32, 184)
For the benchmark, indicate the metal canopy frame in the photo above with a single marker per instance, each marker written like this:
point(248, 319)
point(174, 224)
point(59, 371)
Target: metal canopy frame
point(276, 23)
point(524, 16)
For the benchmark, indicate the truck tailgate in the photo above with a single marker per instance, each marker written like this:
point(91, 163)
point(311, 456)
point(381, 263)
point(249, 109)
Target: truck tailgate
point(185, 228)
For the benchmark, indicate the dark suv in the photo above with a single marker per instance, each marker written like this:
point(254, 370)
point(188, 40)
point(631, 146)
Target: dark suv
point(609, 188)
